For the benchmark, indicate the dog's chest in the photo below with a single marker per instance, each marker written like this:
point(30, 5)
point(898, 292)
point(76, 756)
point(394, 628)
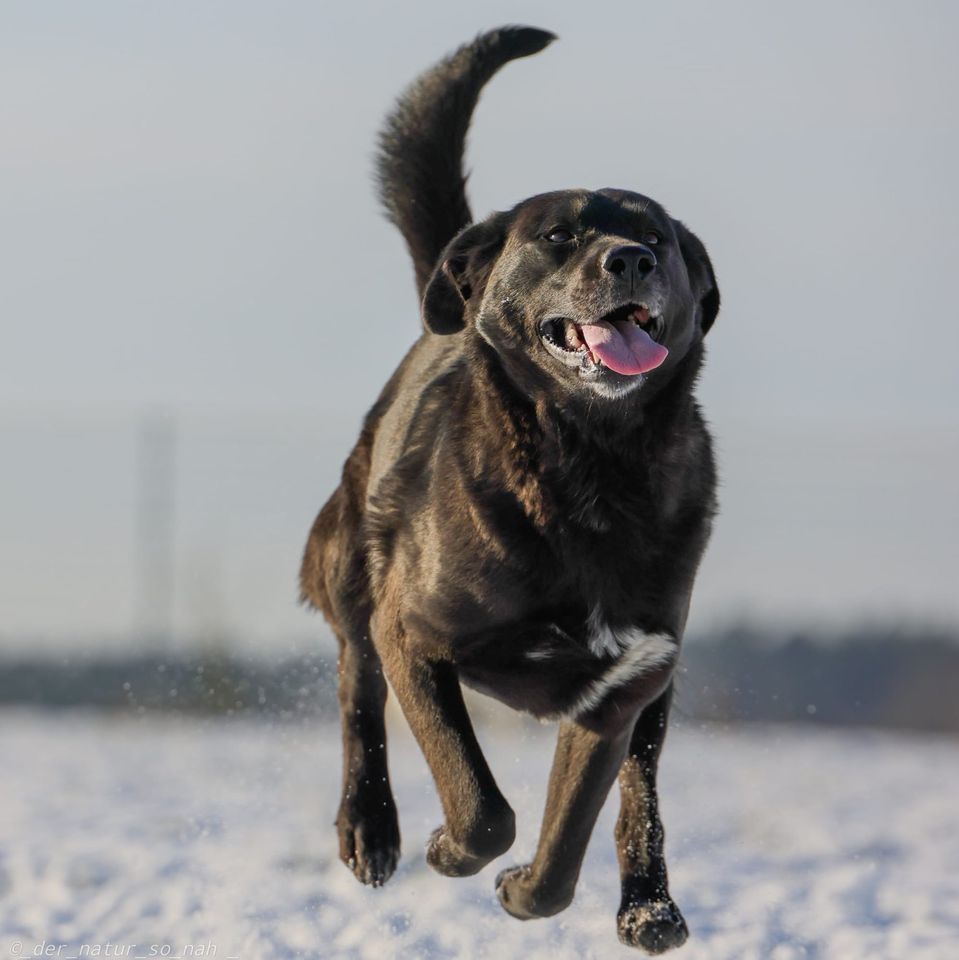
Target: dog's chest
point(625, 653)
point(571, 667)
point(603, 641)
point(596, 638)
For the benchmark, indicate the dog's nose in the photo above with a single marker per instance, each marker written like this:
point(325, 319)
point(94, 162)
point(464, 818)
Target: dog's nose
point(630, 260)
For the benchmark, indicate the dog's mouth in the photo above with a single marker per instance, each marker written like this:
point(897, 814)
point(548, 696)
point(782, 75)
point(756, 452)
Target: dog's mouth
point(626, 340)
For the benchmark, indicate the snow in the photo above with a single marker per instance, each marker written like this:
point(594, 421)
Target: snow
point(213, 837)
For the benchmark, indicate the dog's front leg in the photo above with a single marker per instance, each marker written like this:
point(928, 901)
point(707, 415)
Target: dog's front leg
point(584, 768)
point(480, 824)
point(648, 918)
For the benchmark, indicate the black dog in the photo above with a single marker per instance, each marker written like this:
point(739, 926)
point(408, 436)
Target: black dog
point(524, 511)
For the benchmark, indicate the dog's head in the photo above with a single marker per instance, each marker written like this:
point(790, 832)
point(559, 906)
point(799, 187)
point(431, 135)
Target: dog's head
point(591, 294)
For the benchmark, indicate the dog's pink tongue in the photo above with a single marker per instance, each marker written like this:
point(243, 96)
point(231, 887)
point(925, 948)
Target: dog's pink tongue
point(623, 347)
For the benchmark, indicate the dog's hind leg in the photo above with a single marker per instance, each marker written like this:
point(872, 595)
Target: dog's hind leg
point(367, 821)
point(334, 580)
point(648, 918)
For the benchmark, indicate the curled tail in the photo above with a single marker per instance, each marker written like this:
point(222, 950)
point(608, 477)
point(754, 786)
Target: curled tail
point(420, 159)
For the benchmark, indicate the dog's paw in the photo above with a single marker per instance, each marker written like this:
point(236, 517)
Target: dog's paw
point(655, 927)
point(491, 837)
point(447, 857)
point(370, 846)
point(521, 897)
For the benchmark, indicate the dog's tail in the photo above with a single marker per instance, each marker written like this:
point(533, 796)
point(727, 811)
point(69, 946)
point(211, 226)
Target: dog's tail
point(420, 159)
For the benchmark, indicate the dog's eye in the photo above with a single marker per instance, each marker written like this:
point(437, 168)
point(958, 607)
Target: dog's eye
point(651, 238)
point(558, 235)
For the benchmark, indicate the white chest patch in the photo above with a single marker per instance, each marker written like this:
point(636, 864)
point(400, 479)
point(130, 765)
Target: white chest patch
point(636, 653)
point(604, 641)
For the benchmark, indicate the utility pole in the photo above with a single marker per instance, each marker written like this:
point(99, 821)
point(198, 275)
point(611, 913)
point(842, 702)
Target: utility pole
point(155, 538)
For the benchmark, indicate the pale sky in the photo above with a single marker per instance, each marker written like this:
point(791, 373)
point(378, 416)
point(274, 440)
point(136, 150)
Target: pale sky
point(187, 225)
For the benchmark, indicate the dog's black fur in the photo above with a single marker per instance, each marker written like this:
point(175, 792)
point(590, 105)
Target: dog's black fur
point(517, 516)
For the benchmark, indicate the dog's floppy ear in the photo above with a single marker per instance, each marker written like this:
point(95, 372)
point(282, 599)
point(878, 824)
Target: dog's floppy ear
point(702, 279)
point(461, 274)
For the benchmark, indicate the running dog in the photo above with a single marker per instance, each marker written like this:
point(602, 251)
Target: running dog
point(524, 511)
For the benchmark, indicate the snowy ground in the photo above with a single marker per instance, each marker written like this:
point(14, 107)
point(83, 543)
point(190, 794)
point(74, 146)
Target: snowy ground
point(213, 838)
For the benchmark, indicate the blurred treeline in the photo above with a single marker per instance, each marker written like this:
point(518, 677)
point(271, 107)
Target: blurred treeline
point(897, 677)
point(900, 677)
